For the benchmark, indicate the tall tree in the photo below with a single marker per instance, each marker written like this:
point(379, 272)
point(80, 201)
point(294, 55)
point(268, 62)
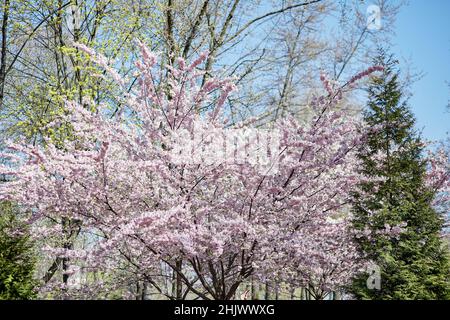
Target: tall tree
point(414, 265)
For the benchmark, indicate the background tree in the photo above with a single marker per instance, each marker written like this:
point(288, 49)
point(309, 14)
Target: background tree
point(415, 264)
point(272, 47)
point(17, 259)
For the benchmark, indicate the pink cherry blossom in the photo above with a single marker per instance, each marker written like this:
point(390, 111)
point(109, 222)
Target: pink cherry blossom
point(144, 212)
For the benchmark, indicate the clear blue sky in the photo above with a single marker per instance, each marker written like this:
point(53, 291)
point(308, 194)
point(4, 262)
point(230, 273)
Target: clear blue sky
point(423, 37)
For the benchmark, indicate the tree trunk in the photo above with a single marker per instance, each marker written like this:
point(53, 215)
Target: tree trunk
point(267, 292)
point(254, 289)
point(303, 294)
point(169, 33)
point(3, 53)
point(177, 282)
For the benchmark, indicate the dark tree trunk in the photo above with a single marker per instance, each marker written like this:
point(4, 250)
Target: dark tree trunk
point(3, 53)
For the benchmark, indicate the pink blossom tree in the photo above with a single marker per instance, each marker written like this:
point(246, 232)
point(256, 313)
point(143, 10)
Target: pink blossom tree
point(147, 202)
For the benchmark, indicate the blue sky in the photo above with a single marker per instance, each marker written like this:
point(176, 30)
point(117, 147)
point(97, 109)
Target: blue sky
point(423, 37)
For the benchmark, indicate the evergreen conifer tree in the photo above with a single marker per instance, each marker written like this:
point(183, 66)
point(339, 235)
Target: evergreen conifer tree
point(415, 264)
point(16, 256)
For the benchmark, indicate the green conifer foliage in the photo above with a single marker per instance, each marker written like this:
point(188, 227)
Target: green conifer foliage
point(16, 256)
point(415, 264)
